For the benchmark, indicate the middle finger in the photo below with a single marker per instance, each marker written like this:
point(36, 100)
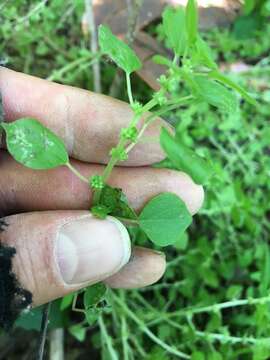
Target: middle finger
point(59, 189)
point(88, 123)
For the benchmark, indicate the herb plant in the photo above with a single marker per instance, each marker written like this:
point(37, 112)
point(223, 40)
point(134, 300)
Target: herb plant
point(165, 218)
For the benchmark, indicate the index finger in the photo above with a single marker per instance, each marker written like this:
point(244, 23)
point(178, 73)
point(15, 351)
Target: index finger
point(88, 123)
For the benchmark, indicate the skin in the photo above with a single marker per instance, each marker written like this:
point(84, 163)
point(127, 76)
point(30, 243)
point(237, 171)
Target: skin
point(34, 202)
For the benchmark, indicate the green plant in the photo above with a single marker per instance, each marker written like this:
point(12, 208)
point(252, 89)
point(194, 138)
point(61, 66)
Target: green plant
point(37, 147)
point(255, 17)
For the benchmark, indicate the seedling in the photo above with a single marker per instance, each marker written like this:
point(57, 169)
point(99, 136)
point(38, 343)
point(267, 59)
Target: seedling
point(164, 218)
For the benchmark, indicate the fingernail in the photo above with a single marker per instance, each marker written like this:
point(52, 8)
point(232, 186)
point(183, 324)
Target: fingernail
point(89, 249)
point(159, 253)
point(145, 268)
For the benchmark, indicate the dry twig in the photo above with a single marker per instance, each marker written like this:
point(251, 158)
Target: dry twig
point(90, 19)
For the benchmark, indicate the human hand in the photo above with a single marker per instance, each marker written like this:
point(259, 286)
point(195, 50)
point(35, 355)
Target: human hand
point(60, 247)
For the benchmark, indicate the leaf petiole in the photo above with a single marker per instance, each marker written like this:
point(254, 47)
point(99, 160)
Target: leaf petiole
point(112, 162)
point(77, 173)
point(129, 90)
point(149, 105)
point(173, 105)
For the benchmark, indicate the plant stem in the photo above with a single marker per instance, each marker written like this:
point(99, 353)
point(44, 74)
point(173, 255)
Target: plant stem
point(223, 338)
point(93, 43)
point(74, 303)
point(74, 64)
point(173, 104)
point(155, 114)
point(109, 167)
point(220, 306)
point(96, 197)
point(148, 332)
point(107, 338)
point(77, 173)
point(124, 331)
point(131, 146)
point(112, 162)
point(43, 331)
point(106, 173)
point(129, 91)
point(189, 311)
point(149, 105)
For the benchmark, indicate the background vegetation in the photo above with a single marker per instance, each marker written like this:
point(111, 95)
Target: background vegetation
point(213, 302)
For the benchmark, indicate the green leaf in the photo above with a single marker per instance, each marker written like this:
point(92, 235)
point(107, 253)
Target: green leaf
point(94, 294)
point(185, 159)
point(214, 356)
point(164, 219)
point(116, 203)
point(201, 54)
point(100, 211)
point(191, 21)
point(117, 50)
point(31, 320)
point(249, 5)
point(190, 81)
point(33, 145)
point(225, 80)
point(216, 94)
point(234, 292)
point(165, 164)
point(92, 314)
point(182, 243)
point(66, 302)
point(197, 355)
point(162, 60)
point(245, 28)
point(78, 331)
point(174, 27)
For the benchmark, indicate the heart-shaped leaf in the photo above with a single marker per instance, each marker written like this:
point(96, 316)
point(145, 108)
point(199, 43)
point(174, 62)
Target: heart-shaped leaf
point(164, 219)
point(33, 145)
point(116, 203)
point(94, 294)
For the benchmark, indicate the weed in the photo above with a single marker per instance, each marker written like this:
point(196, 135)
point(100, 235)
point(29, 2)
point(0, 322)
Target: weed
point(214, 299)
point(165, 218)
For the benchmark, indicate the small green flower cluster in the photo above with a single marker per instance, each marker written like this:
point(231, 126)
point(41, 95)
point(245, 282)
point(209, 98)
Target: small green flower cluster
point(96, 182)
point(137, 107)
point(129, 133)
point(119, 153)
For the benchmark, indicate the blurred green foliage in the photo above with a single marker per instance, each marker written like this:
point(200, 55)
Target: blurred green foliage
point(226, 257)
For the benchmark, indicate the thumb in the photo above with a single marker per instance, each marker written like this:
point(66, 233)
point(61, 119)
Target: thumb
point(58, 252)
